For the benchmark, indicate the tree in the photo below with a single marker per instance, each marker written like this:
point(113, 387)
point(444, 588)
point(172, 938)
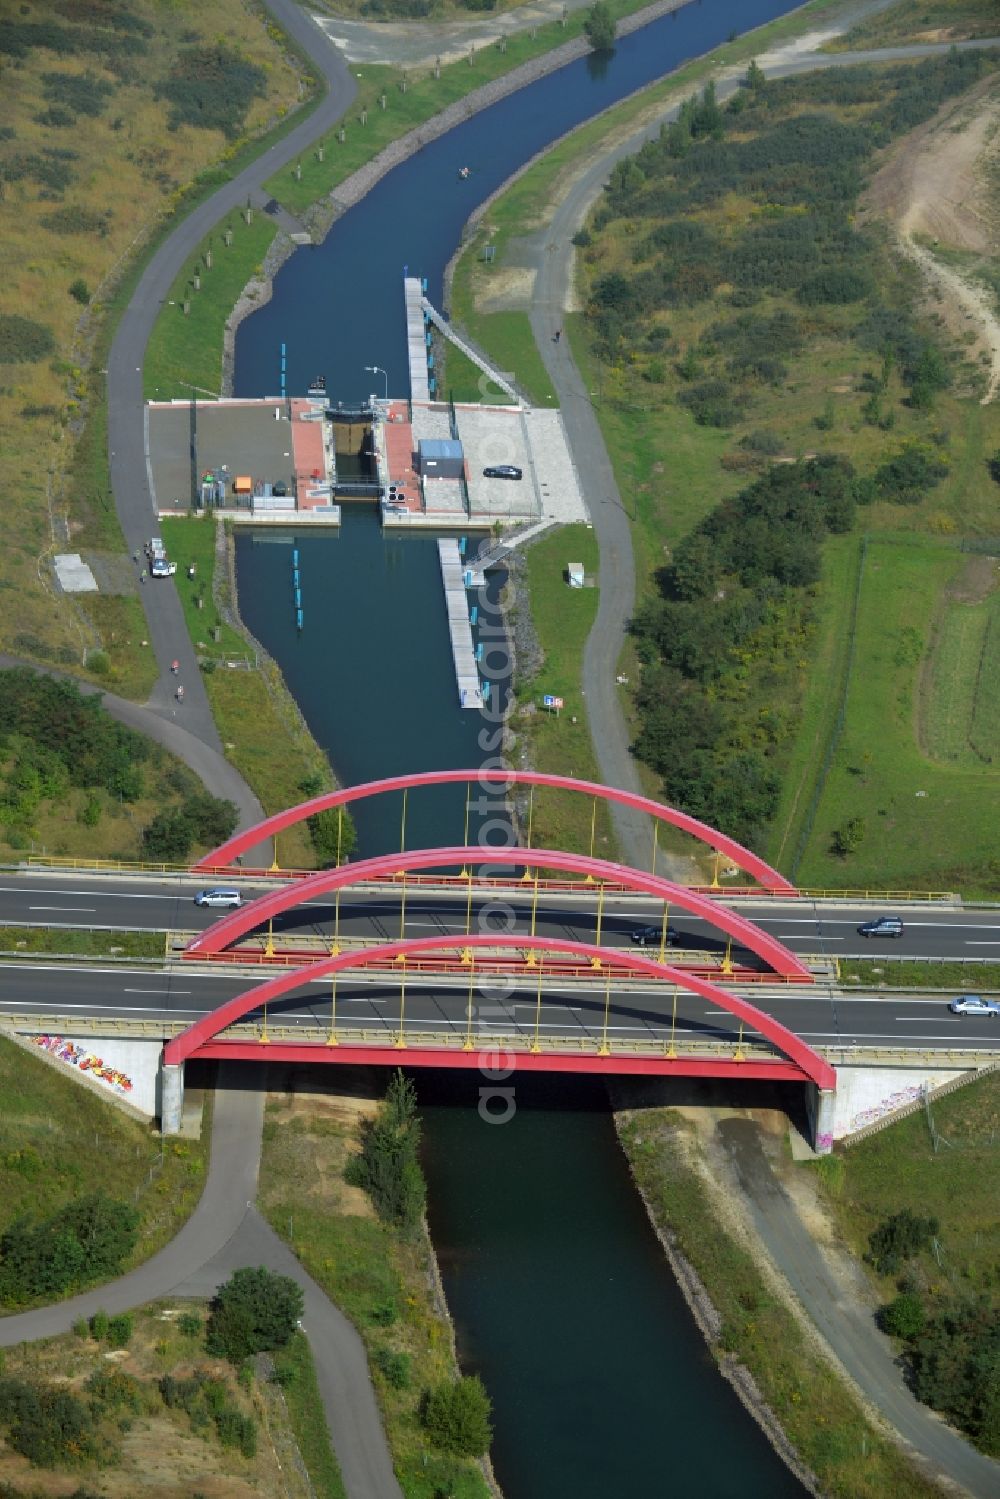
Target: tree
point(388, 1166)
point(600, 27)
point(255, 1311)
point(456, 1417)
point(848, 838)
point(993, 465)
point(333, 836)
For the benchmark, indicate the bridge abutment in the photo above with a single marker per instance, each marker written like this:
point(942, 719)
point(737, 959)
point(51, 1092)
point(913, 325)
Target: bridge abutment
point(822, 1106)
point(171, 1098)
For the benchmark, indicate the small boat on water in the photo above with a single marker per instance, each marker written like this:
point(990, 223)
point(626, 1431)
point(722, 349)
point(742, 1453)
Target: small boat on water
point(463, 172)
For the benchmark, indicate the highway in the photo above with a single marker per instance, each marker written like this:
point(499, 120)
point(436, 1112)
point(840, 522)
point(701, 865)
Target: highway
point(180, 994)
point(144, 903)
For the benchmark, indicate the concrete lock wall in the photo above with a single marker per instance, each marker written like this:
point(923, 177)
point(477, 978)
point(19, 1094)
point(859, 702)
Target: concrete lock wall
point(867, 1094)
point(126, 1069)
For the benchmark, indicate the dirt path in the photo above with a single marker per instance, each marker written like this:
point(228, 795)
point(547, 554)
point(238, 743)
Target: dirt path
point(935, 186)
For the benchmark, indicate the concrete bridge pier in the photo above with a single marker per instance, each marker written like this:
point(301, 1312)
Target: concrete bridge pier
point(821, 1106)
point(171, 1098)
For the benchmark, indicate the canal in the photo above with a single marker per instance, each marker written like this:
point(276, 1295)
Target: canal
point(602, 1386)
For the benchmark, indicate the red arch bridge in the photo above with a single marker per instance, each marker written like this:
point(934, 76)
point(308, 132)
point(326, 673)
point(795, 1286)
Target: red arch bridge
point(469, 1022)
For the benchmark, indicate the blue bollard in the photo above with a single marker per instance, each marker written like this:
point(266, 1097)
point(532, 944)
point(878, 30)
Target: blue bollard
point(298, 618)
point(298, 599)
point(295, 556)
point(462, 543)
point(474, 615)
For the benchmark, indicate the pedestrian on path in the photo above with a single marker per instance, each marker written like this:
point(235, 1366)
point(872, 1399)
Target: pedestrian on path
point(558, 335)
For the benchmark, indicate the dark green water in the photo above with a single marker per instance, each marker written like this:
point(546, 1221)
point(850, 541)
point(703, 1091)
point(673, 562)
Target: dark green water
point(602, 1385)
point(372, 669)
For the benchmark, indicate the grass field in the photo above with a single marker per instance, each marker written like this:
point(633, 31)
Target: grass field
point(961, 723)
point(308, 1418)
point(908, 973)
point(59, 1141)
point(86, 944)
point(959, 1184)
point(380, 1280)
point(818, 1412)
point(563, 617)
point(98, 183)
point(185, 351)
point(923, 819)
point(922, 20)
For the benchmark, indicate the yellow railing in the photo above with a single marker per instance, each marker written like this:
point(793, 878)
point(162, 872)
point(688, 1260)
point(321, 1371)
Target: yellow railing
point(911, 895)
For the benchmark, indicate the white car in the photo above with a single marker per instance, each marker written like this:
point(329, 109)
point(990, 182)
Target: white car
point(220, 896)
point(974, 1004)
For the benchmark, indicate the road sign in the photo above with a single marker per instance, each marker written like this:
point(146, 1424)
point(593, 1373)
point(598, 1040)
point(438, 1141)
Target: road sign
point(548, 701)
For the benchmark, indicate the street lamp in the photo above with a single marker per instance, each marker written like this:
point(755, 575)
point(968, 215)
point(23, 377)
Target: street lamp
point(376, 369)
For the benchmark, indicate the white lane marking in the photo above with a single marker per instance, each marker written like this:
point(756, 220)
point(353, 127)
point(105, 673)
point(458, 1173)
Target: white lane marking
point(91, 910)
point(167, 993)
point(971, 942)
point(61, 1005)
point(96, 894)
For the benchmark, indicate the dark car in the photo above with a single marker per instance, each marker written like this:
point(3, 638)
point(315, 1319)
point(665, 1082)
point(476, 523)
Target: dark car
point(882, 926)
point(652, 936)
point(502, 471)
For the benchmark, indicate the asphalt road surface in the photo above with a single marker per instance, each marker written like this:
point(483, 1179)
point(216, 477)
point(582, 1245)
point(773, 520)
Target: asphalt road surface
point(501, 1006)
point(149, 903)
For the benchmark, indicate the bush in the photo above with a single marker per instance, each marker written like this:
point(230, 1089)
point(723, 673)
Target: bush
point(85, 1241)
point(120, 1330)
point(189, 1325)
point(394, 1368)
point(23, 341)
point(74, 218)
point(456, 1417)
point(898, 1238)
point(211, 88)
point(848, 838)
point(904, 1317)
point(255, 1311)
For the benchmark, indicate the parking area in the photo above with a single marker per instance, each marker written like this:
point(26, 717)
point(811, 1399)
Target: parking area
point(187, 439)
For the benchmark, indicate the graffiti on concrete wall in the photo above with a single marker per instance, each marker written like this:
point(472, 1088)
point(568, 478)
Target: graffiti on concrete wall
point(79, 1056)
point(887, 1105)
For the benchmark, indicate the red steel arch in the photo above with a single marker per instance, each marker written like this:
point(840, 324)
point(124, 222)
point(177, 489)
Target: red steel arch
point(811, 1064)
point(245, 918)
point(226, 853)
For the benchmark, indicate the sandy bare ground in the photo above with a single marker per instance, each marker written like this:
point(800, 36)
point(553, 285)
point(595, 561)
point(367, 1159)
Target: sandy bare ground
point(935, 186)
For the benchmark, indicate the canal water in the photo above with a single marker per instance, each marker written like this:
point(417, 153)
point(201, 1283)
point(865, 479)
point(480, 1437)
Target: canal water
point(339, 306)
point(602, 1386)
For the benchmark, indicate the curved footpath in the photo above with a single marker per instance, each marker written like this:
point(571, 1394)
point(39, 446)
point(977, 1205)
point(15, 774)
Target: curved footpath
point(212, 768)
point(224, 1232)
point(130, 478)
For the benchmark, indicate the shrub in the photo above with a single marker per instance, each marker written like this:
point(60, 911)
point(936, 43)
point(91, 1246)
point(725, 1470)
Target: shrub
point(189, 1325)
point(848, 838)
point(82, 93)
point(253, 1312)
point(904, 1317)
point(75, 218)
point(79, 291)
point(394, 1367)
point(898, 1238)
point(120, 1330)
point(456, 1417)
point(211, 88)
point(22, 340)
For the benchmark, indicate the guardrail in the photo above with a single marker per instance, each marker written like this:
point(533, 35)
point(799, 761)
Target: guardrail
point(461, 880)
